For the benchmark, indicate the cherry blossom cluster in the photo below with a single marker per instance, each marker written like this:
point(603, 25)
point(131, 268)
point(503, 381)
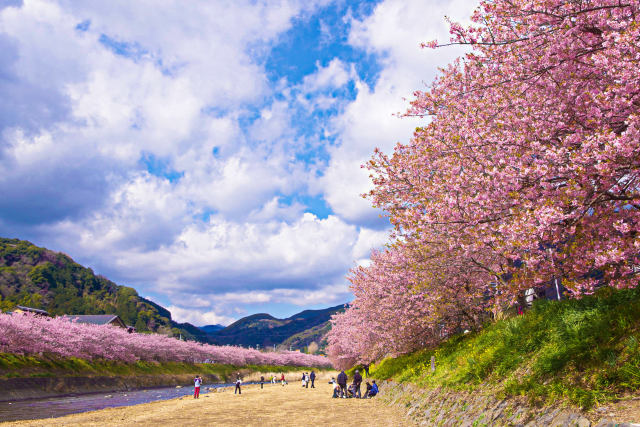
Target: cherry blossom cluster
point(527, 167)
point(25, 333)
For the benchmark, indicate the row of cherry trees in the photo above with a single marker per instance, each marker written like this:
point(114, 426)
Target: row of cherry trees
point(527, 169)
point(33, 335)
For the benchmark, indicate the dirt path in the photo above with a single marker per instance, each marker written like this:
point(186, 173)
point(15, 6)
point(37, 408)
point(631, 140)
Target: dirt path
point(275, 405)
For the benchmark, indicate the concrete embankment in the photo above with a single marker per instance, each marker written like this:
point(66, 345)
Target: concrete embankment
point(436, 407)
point(33, 388)
point(42, 387)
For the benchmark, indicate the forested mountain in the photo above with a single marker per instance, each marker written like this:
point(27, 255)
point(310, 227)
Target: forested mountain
point(210, 329)
point(262, 329)
point(40, 278)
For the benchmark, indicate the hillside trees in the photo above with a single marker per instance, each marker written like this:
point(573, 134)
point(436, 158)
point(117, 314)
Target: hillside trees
point(40, 278)
point(529, 166)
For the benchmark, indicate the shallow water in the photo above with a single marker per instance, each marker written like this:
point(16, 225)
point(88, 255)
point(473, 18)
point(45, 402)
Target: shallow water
point(58, 406)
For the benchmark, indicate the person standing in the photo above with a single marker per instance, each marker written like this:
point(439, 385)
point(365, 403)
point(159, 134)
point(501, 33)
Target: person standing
point(312, 377)
point(238, 383)
point(366, 369)
point(262, 381)
point(306, 380)
point(197, 382)
point(342, 382)
point(282, 379)
point(357, 381)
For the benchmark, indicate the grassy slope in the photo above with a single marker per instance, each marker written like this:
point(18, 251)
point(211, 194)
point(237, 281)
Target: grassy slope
point(586, 351)
point(12, 365)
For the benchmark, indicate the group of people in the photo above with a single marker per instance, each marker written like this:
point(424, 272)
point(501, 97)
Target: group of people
point(308, 378)
point(340, 389)
point(273, 380)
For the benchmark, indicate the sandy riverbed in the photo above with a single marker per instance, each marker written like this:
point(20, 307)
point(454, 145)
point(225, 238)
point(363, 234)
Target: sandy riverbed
point(274, 405)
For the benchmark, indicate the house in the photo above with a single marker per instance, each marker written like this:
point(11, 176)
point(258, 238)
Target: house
point(96, 319)
point(36, 311)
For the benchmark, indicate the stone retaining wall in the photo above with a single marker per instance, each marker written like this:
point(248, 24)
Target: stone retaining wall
point(437, 407)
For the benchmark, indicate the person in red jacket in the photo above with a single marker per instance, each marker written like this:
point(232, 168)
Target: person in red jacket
point(197, 382)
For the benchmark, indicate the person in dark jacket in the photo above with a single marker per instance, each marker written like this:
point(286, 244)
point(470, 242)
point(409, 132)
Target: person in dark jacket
point(342, 382)
point(238, 384)
point(357, 381)
point(262, 381)
point(312, 377)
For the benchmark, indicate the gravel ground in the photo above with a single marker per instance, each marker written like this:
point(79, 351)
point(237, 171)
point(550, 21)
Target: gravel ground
point(274, 405)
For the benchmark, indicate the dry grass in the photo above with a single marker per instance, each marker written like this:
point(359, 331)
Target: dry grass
point(275, 405)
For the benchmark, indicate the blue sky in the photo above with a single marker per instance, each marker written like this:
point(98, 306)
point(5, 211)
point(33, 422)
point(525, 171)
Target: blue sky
point(208, 153)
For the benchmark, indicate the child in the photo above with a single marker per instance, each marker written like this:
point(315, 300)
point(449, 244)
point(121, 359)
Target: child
point(197, 381)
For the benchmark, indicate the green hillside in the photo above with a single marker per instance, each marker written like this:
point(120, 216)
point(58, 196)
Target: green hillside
point(315, 334)
point(39, 278)
point(586, 351)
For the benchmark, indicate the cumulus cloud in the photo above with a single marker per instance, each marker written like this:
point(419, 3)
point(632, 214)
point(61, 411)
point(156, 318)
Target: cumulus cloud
point(197, 316)
point(148, 140)
point(393, 33)
point(335, 74)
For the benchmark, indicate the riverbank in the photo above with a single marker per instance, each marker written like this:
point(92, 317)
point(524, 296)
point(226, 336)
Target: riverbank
point(274, 405)
point(30, 377)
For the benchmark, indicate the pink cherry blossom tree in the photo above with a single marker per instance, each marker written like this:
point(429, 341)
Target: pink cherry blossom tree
point(29, 334)
point(527, 168)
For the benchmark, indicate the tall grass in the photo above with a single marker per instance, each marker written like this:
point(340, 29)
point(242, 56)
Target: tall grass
point(586, 351)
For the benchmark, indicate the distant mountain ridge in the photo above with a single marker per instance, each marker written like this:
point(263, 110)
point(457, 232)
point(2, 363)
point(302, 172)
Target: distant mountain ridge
point(40, 278)
point(209, 329)
point(264, 330)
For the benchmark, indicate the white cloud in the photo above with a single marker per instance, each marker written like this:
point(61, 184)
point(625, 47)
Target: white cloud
point(170, 87)
point(222, 308)
point(197, 316)
point(393, 33)
point(334, 75)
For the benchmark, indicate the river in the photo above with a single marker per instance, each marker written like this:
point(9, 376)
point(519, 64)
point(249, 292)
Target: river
point(58, 406)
